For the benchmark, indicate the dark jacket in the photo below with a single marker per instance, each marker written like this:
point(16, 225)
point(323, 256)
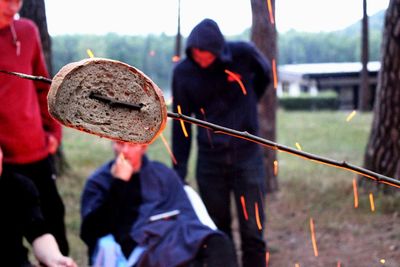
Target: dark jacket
point(21, 216)
point(213, 95)
point(169, 242)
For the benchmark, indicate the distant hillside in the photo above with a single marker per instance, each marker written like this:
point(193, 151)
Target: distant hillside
point(336, 46)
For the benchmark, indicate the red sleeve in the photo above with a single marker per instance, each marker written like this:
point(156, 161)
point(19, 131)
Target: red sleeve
point(39, 68)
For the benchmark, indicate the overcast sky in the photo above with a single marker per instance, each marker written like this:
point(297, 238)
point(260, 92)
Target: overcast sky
point(142, 17)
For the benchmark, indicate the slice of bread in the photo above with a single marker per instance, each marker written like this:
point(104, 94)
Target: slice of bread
point(71, 103)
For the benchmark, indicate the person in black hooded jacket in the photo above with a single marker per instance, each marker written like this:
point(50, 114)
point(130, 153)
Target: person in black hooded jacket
point(221, 82)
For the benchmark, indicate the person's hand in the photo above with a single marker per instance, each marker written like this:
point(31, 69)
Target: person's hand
point(122, 168)
point(52, 144)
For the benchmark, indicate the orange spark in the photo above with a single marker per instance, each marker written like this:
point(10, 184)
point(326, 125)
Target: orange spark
point(271, 15)
point(339, 264)
point(355, 193)
point(351, 115)
point(175, 58)
point(182, 123)
point(237, 79)
point(259, 225)
point(274, 72)
point(298, 146)
point(383, 261)
point(168, 149)
point(243, 201)
point(371, 202)
point(90, 53)
point(267, 259)
point(203, 112)
point(276, 167)
point(314, 242)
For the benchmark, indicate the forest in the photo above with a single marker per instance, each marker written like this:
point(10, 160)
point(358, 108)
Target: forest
point(153, 53)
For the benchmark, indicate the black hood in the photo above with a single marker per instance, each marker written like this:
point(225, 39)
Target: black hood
point(206, 36)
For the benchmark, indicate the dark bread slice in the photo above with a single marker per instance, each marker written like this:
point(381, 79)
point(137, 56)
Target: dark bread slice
point(70, 100)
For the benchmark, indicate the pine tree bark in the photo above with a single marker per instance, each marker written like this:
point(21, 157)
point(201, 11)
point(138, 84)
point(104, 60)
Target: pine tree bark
point(264, 36)
point(383, 150)
point(36, 11)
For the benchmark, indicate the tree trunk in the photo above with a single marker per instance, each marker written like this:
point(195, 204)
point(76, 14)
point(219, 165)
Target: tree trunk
point(36, 11)
point(383, 150)
point(264, 36)
point(364, 103)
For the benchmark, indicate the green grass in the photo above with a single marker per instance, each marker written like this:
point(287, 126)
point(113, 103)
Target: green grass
point(311, 186)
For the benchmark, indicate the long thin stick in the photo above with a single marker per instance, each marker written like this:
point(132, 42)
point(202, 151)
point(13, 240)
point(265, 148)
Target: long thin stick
point(256, 139)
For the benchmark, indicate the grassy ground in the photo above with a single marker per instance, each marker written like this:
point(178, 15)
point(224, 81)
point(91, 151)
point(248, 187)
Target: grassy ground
point(307, 189)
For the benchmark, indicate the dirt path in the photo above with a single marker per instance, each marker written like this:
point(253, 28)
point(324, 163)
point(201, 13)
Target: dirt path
point(349, 238)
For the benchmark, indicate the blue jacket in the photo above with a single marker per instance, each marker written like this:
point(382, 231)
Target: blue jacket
point(169, 242)
point(213, 95)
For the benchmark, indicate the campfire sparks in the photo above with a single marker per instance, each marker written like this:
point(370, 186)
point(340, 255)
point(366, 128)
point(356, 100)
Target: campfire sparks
point(267, 259)
point(313, 240)
point(298, 146)
point(274, 72)
point(182, 123)
point(259, 225)
point(168, 149)
point(175, 59)
point(371, 202)
point(351, 115)
point(355, 191)
point(237, 79)
point(243, 202)
point(276, 167)
point(270, 11)
point(90, 53)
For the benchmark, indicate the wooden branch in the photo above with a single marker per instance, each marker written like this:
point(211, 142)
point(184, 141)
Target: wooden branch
point(272, 145)
point(26, 76)
point(256, 139)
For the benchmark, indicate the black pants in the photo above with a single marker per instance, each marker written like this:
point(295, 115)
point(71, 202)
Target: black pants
point(42, 174)
point(217, 251)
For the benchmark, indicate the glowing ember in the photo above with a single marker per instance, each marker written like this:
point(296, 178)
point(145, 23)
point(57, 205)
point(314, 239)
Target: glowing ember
point(274, 72)
point(237, 79)
point(314, 242)
point(355, 193)
point(382, 261)
point(267, 259)
point(371, 202)
point(271, 13)
point(298, 146)
point(175, 58)
point(182, 123)
point(243, 201)
point(259, 225)
point(168, 149)
point(276, 167)
point(90, 53)
point(351, 115)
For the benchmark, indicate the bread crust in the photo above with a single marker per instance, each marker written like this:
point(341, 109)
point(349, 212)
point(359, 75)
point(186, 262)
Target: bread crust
point(70, 104)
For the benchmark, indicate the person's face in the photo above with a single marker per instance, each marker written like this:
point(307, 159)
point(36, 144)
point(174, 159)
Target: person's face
point(131, 152)
point(8, 9)
point(202, 57)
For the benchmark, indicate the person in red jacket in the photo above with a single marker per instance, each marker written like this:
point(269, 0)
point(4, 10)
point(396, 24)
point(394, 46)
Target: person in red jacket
point(28, 134)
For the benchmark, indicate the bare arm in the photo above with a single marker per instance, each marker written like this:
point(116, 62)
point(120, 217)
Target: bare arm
point(47, 252)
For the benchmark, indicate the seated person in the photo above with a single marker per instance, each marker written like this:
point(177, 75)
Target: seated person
point(22, 217)
point(142, 205)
